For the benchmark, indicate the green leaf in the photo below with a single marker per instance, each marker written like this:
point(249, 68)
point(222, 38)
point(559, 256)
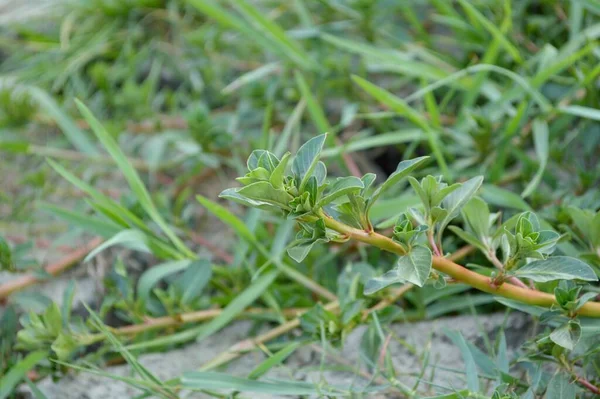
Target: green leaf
point(540, 141)
point(255, 156)
point(454, 202)
point(152, 276)
point(378, 283)
point(264, 192)
point(477, 215)
point(402, 170)
point(104, 228)
point(112, 208)
point(132, 239)
point(278, 173)
point(567, 335)
point(233, 195)
point(581, 111)
point(556, 268)
point(300, 251)
point(194, 279)
point(340, 187)
point(64, 346)
point(306, 159)
point(274, 360)
point(17, 372)
point(415, 266)
point(561, 387)
point(320, 173)
point(468, 238)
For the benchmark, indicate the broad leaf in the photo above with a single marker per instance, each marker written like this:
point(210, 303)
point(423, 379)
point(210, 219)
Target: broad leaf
point(378, 283)
point(341, 187)
point(561, 387)
point(567, 335)
point(415, 266)
point(557, 268)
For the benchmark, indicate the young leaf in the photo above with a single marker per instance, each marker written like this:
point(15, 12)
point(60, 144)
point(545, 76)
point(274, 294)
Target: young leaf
point(477, 215)
point(341, 187)
point(278, 173)
point(403, 169)
point(233, 195)
point(454, 202)
point(264, 192)
point(307, 158)
point(557, 268)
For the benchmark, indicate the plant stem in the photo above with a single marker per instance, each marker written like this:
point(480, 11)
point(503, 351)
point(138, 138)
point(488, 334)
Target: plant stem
point(500, 266)
point(434, 247)
point(183, 318)
point(54, 269)
point(460, 273)
point(588, 385)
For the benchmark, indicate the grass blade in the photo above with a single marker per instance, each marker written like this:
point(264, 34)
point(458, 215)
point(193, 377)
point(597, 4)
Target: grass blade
point(18, 372)
point(132, 177)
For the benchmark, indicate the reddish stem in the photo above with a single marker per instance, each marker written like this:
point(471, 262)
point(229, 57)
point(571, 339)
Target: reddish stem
point(588, 385)
point(54, 269)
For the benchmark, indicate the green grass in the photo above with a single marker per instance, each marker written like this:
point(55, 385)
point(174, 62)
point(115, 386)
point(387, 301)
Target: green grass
point(116, 118)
